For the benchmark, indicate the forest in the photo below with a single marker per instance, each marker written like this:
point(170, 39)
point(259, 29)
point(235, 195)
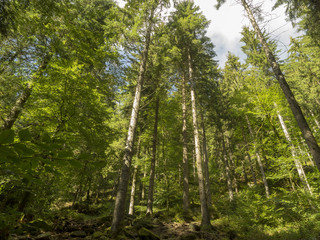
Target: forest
point(118, 123)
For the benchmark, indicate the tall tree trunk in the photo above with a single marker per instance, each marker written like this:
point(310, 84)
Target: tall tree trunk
point(227, 167)
point(186, 202)
point(203, 200)
point(22, 99)
point(153, 160)
point(243, 165)
point(206, 163)
point(296, 110)
point(133, 190)
point(299, 167)
point(315, 120)
point(134, 180)
point(265, 182)
point(143, 189)
point(232, 167)
point(119, 208)
point(194, 165)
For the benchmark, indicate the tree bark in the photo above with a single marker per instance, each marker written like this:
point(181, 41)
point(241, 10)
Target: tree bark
point(206, 163)
point(133, 190)
point(315, 120)
point(205, 221)
point(227, 168)
point(232, 167)
point(153, 160)
point(22, 99)
point(299, 167)
point(134, 180)
point(119, 208)
point(295, 108)
point(186, 202)
point(142, 186)
point(244, 171)
point(265, 182)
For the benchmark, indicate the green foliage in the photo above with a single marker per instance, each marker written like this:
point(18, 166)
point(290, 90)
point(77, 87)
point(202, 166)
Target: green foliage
point(60, 161)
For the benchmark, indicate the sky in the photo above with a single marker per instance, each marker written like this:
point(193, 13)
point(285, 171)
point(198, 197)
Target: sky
point(227, 23)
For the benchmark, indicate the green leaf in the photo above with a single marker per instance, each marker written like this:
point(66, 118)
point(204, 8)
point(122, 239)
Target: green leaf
point(65, 154)
point(6, 136)
point(60, 163)
point(46, 137)
point(85, 156)
point(99, 164)
point(34, 163)
point(7, 152)
point(75, 163)
point(23, 150)
point(25, 135)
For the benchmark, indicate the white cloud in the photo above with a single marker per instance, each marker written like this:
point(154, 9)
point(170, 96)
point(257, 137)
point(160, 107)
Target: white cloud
point(227, 22)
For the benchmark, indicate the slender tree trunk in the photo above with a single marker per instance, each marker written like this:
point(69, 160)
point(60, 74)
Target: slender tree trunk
point(227, 168)
point(186, 202)
point(203, 200)
point(299, 167)
point(194, 165)
point(165, 172)
point(206, 163)
point(153, 160)
point(302, 152)
point(119, 208)
point(251, 167)
point(133, 190)
point(232, 167)
point(296, 110)
point(265, 182)
point(22, 99)
point(243, 165)
point(308, 154)
point(134, 180)
point(315, 120)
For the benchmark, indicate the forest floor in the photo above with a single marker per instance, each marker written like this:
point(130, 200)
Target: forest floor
point(99, 228)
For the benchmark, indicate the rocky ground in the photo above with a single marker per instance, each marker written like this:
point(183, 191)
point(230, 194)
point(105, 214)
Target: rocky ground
point(98, 228)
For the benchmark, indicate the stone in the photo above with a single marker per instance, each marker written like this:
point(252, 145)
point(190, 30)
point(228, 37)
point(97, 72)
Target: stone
point(44, 236)
point(97, 234)
point(80, 234)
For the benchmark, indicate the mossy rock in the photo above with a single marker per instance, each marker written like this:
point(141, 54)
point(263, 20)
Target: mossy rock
point(97, 235)
point(44, 236)
point(146, 234)
point(80, 234)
